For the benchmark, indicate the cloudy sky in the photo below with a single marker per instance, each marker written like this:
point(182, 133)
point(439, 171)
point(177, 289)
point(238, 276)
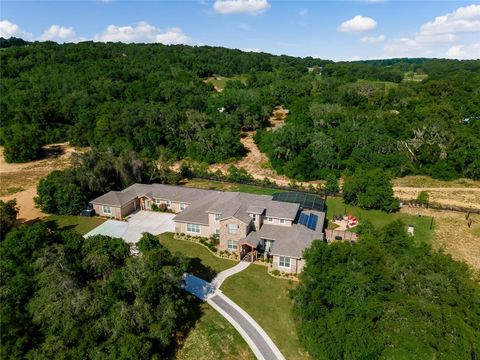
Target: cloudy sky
point(338, 30)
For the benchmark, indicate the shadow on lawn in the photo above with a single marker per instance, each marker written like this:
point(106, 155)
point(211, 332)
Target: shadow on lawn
point(195, 267)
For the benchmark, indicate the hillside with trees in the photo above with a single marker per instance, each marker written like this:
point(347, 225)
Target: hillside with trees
point(152, 99)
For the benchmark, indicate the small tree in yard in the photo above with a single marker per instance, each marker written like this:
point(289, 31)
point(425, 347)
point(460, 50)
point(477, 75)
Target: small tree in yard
point(370, 189)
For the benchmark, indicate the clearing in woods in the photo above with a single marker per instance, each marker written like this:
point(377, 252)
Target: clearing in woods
point(255, 162)
point(19, 180)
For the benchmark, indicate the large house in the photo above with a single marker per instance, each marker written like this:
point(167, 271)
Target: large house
point(247, 224)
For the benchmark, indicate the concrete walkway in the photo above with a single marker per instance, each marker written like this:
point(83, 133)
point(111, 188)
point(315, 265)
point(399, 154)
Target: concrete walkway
point(221, 277)
point(258, 340)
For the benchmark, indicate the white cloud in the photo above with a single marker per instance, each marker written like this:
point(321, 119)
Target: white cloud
point(302, 12)
point(433, 35)
point(471, 51)
point(357, 24)
point(373, 39)
point(143, 32)
point(240, 6)
point(355, 58)
point(60, 34)
point(9, 29)
point(464, 19)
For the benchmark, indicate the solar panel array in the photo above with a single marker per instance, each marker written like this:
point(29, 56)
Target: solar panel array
point(310, 221)
point(303, 219)
point(306, 200)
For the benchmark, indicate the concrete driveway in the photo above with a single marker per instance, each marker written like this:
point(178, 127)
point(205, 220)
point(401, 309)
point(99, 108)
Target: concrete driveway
point(136, 224)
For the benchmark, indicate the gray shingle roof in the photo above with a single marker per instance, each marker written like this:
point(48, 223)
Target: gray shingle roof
point(158, 191)
point(288, 241)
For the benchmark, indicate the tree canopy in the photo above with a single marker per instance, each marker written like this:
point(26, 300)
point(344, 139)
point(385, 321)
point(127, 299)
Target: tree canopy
point(386, 297)
point(152, 98)
point(65, 297)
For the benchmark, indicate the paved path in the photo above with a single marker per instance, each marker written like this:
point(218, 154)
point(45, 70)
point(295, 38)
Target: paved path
point(221, 277)
point(260, 343)
point(258, 340)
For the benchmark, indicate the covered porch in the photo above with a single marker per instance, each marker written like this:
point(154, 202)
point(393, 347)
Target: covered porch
point(247, 251)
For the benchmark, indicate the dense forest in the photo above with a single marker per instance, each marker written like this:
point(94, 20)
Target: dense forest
point(386, 297)
point(152, 99)
point(66, 297)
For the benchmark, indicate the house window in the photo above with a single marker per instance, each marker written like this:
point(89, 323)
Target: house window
point(217, 232)
point(284, 262)
point(158, 201)
point(217, 217)
point(232, 245)
point(193, 228)
point(232, 228)
point(269, 219)
point(282, 221)
point(107, 209)
point(169, 204)
point(182, 206)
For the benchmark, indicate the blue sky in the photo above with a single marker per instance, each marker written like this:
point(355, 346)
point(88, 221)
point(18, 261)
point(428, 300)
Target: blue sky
point(338, 30)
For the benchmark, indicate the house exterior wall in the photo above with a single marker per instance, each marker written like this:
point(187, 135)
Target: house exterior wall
point(116, 211)
point(276, 221)
point(296, 265)
point(181, 228)
point(242, 232)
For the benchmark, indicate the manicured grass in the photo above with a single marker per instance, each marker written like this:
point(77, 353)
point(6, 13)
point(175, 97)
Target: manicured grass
point(267, 300)
point(203, 263)
point(225, 186)
point(336, 206)
point(81, 224)
point(213, 338)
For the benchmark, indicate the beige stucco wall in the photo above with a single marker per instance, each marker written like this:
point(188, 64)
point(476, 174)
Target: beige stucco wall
point(174, 205)
point(116, 212)
point(296, 265)
point(205, 231)
point(225, 236)
point(276, 221)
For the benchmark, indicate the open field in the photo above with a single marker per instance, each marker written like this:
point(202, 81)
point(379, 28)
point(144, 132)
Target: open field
point(219, 82)
point(461, 192)
point(19, 181)
point(453, 235)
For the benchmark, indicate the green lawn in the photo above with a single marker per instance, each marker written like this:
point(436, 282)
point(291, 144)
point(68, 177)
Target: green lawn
point(336, 206)
point(213, 338)
point(225, 186)
point(80, 224)
point(266, 299)
point(204, 263)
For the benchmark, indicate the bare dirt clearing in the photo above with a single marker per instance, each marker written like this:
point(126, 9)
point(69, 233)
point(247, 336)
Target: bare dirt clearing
point(19, 181)
point(255, 162)
point(453, 234)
